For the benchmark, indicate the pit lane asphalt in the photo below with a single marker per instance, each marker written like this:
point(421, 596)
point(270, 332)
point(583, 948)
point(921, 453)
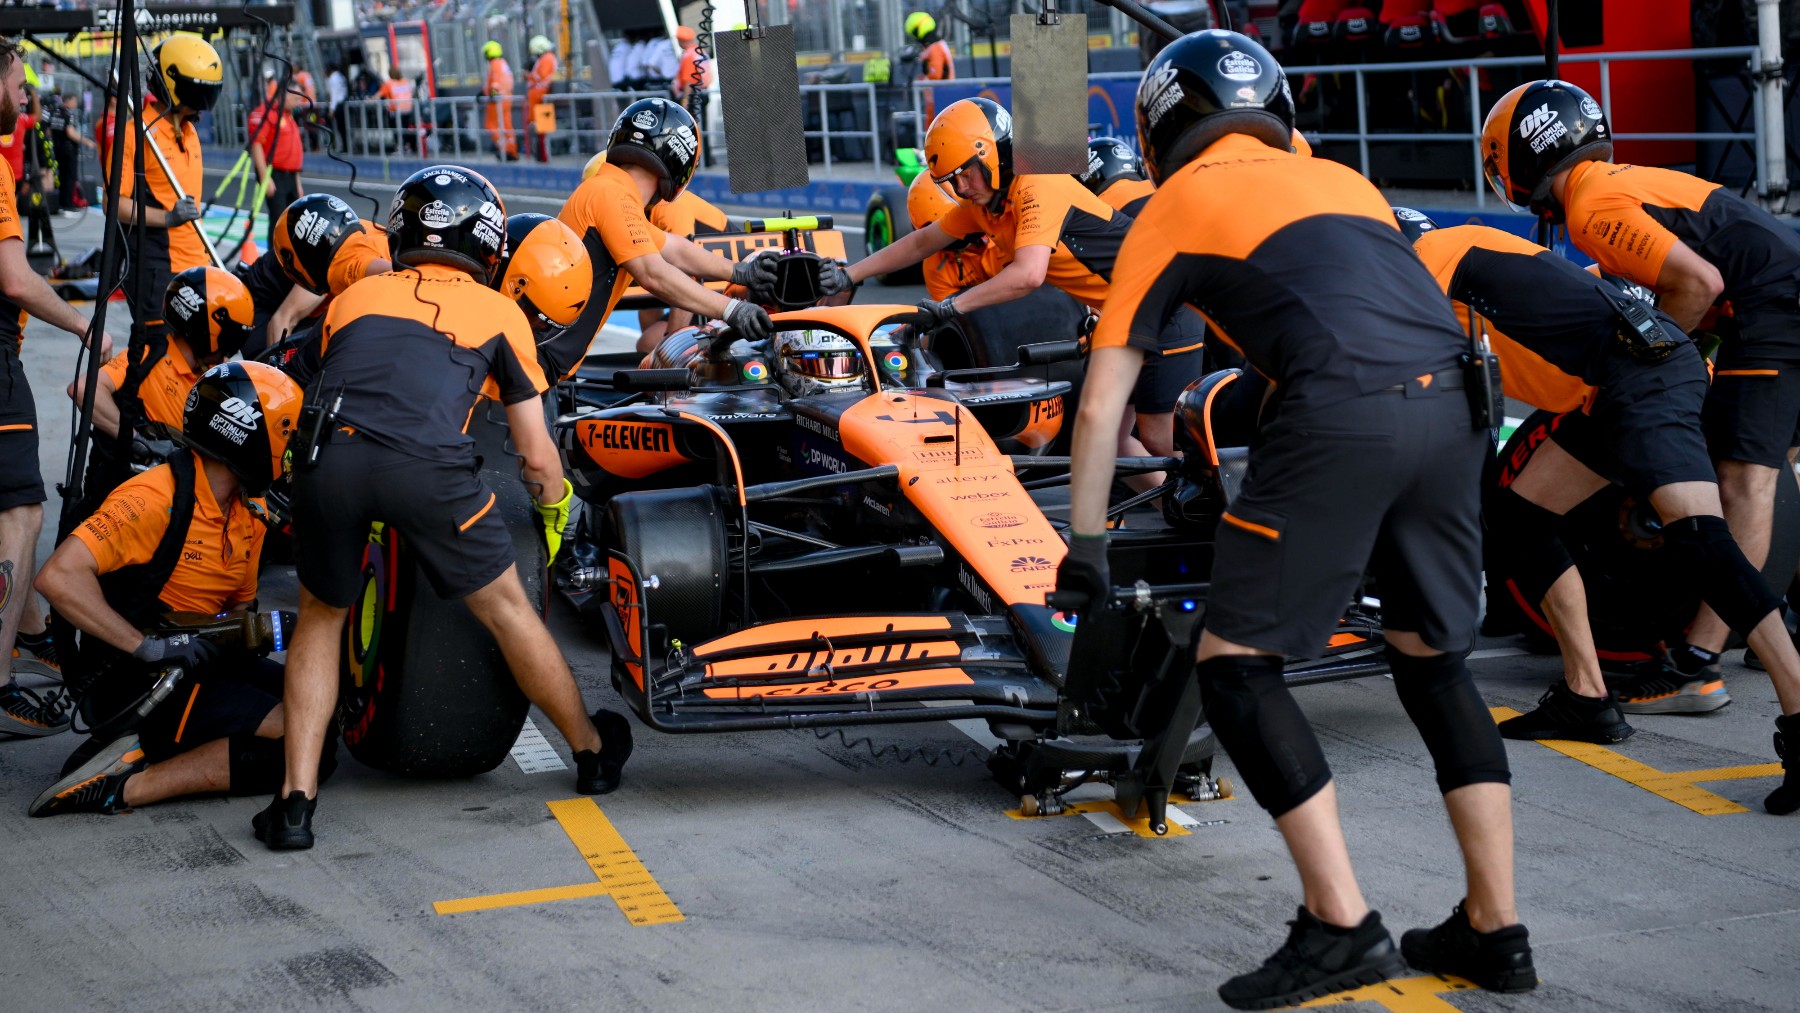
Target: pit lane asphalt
point(812, 876)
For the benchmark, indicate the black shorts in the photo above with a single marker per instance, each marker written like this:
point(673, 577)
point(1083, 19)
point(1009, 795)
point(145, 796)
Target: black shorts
point(1165, 376)
point(21, 480)
point(1387, 483)
point(1643, 429)
point(147, 303)
point(1752, 412)
point(215, 706)
point(444, 514)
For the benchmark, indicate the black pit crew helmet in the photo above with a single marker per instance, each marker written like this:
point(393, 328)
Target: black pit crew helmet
point(1413, 224)
point(1534, 132)
point(242, 414)
point(211, 310)
point(1110, 160)
point(1204, 86)
point(660, 136)
point(446, 214)
point(307, 236)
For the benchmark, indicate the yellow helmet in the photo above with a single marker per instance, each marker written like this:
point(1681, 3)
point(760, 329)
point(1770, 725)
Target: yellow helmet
point(492, 50)
point(593, 165)
point(920, 24)
point(188, 72)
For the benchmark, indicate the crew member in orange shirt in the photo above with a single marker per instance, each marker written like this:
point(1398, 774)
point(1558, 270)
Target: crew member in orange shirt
point(537, 86)
point(184, 82)
point(497, 90)
point(936, 62)
point(398, 93)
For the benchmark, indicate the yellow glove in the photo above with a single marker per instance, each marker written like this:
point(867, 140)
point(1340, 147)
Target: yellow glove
point(556, 518)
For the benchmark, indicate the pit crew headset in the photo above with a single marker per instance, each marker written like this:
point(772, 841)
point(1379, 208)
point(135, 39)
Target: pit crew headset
point(242, 414)
point(211, 310)
point(972, 134)
point(660, 136)
point(1110, 160)
point(1536, 131)
point(188, 73)
point(307, 236)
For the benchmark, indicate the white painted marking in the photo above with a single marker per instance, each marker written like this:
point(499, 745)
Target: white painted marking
point(1498, 652)
point(533, 753)
point(1107, 822)
point(1181, 819)
point(974, 728)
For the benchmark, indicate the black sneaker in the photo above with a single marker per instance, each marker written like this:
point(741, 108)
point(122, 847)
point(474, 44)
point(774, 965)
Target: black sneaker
point(36, 653)
point(286, 825)
point(1499, 961)
point(1317, 960)
point(1786, 799)
point(1561, 713)
point(96, 786)
point(1669, 690)
point(597, 773)
point(33, 712)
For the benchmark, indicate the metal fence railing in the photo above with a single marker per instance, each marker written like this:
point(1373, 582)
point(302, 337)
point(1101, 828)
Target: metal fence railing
point(923, 96)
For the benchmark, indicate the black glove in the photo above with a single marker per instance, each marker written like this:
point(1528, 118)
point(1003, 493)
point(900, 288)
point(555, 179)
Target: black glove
point(758, 275)
point(748, 320)
point(1084, 571)
point(185, 210)
point(834, 278)
point(934, 313)
point(186, 650)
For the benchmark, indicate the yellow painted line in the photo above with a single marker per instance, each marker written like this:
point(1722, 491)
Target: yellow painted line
point(1677, 787)
point(614, 864)
point(520, 899)
point(618, 872)
point(1402, 995)
point(1733, 773)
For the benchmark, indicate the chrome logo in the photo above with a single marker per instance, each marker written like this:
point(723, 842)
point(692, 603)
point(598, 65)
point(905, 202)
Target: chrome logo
point(1063, 621)
point(755, 371)
point(895, 361)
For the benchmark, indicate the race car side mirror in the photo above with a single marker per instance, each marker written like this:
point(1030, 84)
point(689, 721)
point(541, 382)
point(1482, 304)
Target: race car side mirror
point(1046, 352)
point(650, 379)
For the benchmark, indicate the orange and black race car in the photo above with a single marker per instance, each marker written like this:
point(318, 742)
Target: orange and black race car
point(820, 531)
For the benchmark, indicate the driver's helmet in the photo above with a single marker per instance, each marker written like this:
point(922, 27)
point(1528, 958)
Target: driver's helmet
point(816, 361)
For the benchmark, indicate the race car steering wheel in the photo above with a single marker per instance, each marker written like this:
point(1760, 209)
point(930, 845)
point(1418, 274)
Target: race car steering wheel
point(797, 280)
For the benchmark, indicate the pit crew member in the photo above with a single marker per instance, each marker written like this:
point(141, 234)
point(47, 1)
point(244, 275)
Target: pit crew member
point(321, 248)
point(650, 158)
point(184, 82)
point(1369, 396)
point(177, 538)
point(548, 272)
point(1546, 145)
point(496, 94)
point(962, 264)
point(397, 453)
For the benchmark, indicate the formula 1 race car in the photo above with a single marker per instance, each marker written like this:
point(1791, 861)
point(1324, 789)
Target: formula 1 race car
point(729, 519)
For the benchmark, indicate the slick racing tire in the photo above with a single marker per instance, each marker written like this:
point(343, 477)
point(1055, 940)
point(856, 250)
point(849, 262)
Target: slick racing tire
point(676, 540)
point(991, 336)
point(1634, 601)
point(424, 691)
point(885, 222)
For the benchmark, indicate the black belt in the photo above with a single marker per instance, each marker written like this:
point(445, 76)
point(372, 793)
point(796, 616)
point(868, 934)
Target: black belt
point(1443, 379)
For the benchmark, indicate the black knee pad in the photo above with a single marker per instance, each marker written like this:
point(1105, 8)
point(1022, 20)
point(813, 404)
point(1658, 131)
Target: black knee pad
point(1440, 698)
point(1523, 537)
point(257, 764)
point(1703, 549)
point(1262, 729)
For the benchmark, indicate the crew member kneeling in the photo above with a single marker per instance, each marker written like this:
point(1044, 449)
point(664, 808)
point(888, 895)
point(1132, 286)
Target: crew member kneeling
point(178, 538)
point(1373, 458)
point(398, 453)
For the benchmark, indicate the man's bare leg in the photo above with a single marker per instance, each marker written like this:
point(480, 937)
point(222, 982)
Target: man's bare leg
point(1555, 481)
point(310, 691)
point(19, 529)
point(205, 769)
point(536, 662)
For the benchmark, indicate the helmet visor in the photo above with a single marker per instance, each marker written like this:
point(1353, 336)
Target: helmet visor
point(1490, 168)
point(842, 364)
point(952, 174)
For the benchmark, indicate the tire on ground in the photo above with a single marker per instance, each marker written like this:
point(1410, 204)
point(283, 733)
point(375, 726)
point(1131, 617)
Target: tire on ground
point(885, 222)
point(424, 690)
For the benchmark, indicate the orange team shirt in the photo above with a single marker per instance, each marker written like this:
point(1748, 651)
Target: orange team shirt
point(608, 205)
point(542, 73)
point(1083, 233)
point(938, 62)
point(449, 329)
point(689, 216)
point(1289, 283)
point(350, 264)
point(12, 315)
point(217, 568)
point(684, 75)
point(499, 77)
point(181, 146)
point(165, 388)
point(1524, 374)
point(399, 95)
point(1128, 195)
point(948, 272)
point(1628, 218)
